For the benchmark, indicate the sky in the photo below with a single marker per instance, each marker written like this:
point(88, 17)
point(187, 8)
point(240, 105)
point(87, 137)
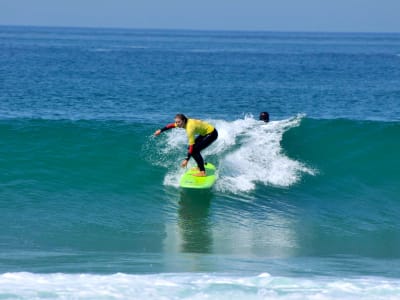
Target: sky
point(263, 15)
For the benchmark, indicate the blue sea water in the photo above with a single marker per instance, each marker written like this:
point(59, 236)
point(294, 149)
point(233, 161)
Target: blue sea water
point(305, 207)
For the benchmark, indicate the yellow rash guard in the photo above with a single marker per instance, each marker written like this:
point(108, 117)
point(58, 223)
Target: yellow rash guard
point(197, 127)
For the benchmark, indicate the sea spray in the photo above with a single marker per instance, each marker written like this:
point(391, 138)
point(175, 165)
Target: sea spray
point(246, 152)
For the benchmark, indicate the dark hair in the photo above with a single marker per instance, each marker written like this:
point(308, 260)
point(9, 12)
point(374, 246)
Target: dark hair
point(182, 117)
point(264, 116)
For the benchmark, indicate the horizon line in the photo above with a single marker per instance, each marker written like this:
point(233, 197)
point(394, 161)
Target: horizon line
point(197, 29)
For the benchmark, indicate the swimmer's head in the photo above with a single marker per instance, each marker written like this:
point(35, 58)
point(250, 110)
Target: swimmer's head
point(264, 116)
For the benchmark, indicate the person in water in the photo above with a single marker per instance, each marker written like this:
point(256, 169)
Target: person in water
point(264, 116)
point(200, 135)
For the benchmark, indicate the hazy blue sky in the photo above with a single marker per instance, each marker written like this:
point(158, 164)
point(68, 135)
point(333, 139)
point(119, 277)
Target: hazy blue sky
point(282, 15)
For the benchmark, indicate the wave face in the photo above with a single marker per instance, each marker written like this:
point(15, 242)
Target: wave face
point(298, 152)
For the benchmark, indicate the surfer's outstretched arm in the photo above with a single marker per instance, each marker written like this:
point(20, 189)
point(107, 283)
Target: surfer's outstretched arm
point(169, 126)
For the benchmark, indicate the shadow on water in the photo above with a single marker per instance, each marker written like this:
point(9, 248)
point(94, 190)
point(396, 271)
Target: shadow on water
point(194, 221)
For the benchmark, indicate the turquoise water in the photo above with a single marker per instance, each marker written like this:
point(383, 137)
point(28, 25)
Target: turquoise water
point(305, 206)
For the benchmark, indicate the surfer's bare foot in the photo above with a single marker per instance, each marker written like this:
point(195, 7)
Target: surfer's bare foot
point(195, 169)
point(200, 174)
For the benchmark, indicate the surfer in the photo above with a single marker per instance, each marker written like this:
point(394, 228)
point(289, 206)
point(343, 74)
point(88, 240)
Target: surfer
point(264, 116)
point(200, 135)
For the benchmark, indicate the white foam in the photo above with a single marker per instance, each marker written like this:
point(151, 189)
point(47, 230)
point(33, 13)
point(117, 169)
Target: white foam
point(192, 286)
point(259, 158)
point(247, 152)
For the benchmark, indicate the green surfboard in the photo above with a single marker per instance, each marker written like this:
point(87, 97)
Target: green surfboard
point(189, 181)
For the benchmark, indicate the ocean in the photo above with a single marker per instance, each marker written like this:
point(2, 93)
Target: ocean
point(305, 207)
